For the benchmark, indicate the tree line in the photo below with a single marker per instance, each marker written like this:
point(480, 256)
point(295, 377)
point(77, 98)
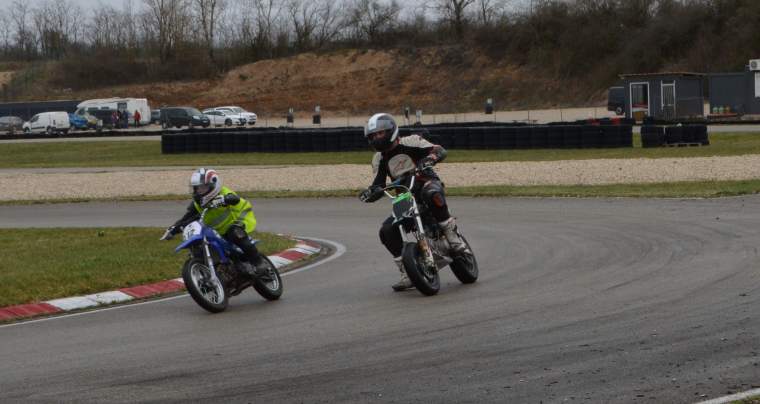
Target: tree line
point(150, 40)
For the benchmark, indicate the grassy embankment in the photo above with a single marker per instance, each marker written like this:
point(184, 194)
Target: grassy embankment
point(52, 263)
point(147, 153)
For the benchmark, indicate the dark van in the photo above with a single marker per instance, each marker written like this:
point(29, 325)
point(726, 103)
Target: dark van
point(616, 100)
point(183, 116)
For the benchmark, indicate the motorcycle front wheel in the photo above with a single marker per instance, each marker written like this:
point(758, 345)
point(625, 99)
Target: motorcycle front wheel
point(425, 279)
point(269, 286)
point(465, 266)
point(208, 292)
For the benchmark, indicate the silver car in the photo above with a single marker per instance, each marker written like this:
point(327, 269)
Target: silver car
point(11, 124)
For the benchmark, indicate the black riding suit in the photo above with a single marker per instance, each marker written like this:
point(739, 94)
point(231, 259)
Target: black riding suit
point(236, 234)
point(430, 189)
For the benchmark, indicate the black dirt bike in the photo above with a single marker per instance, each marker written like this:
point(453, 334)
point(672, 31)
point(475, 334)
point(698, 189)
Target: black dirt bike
point(426, 249)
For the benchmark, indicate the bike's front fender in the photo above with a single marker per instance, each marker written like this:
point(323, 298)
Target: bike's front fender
point(187, 243)
point(216, 244)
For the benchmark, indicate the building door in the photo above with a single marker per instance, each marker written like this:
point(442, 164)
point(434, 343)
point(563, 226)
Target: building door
point(639, 104)
point(669, 100)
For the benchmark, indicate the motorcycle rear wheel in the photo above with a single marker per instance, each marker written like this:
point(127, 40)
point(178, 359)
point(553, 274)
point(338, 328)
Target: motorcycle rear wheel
point(424, 279)
point(207, 292)
point(270, 289)
point(465, 266)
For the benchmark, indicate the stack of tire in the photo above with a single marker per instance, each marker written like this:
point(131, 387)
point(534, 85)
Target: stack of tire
point(288, 140)
point(657, 136)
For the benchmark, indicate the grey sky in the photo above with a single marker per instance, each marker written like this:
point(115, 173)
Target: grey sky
point(87, 5)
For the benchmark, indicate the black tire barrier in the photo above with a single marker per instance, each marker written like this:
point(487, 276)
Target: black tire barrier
point(701, 135)
point(476, 138)
point(522, 138)
point(352, 139)
point(507, 138)
point(539, 137)
point(554, 137)
point(652, 136)
point(674, 134)
point(572, 137)
point(592, 137)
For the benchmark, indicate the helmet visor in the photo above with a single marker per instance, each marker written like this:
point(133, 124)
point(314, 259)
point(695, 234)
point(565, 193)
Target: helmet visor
point(201, 190)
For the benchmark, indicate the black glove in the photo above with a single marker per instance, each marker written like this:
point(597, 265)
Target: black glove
point(216, 202)
point(371, 194)
point(426, 163)
point(169, 234)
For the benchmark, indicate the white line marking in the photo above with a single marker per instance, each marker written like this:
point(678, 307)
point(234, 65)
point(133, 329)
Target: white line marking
point(733, 397)
point(340, 249)
point(72, 303)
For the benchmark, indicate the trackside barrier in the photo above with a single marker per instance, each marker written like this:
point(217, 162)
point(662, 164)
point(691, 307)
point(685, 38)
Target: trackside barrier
point(352, 139)
point(686, 135)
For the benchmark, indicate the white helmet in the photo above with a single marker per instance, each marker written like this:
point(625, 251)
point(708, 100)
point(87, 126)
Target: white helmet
point(205, 185)
point(381, 131)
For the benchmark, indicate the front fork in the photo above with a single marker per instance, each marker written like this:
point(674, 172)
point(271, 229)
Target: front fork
point(210, 262)
point(421, 239)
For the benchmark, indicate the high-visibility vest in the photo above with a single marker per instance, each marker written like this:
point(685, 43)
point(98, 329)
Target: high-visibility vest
point(221, 218)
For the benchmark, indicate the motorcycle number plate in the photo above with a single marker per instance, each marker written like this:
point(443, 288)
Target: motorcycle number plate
point(401, 205)
point(191, 230)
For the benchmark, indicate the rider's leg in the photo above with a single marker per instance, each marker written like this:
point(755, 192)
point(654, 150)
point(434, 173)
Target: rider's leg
point(434, 196)
point(238, 236)
point(391, 239)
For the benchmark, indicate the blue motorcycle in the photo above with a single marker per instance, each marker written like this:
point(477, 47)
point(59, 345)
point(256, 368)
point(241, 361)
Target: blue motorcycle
point(217, 269)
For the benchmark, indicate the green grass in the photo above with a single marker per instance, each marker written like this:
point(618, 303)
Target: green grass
point(148, 153)
point(43, 264)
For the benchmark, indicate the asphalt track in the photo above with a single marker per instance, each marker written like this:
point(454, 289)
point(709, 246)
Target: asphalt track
point(579, 300)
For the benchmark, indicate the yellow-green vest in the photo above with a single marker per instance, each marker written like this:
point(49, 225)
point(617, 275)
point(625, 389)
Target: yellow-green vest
point(223, 217)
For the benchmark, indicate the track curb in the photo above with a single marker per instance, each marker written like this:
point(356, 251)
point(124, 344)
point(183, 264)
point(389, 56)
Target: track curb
point(302, 251)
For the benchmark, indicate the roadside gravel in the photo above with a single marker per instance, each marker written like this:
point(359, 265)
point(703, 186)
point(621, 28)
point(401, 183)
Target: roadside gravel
point(39, 184)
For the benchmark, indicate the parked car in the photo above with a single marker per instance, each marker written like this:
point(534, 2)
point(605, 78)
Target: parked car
point(78, 122)
point(183, 116)
point(616, 100)
point(250, 117)
point(11, 124)
point(48, 122)
point(225, 118)
point(155, 116)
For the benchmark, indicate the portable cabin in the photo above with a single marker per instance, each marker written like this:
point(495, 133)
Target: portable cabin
point(667, 96)
point(736, 93)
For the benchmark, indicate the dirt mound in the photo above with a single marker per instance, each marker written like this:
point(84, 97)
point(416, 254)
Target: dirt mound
point(435, 79)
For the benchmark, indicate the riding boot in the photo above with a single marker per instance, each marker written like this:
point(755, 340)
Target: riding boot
point(404, 283)
point(260, 267)
point(449, 228)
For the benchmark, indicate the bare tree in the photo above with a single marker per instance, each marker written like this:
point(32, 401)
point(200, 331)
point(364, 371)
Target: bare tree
point(328, 23)
point(267, 16)
point(166, 21)
point(454, 12)
point(6, 29)
point(208, 13)
point(25, 39)
point(487, 10)
point(369, 18)
point(303, 18)
point(56, 26)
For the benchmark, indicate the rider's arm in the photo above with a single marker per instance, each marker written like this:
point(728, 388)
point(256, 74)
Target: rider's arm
point(420, 149)
point(191, 215)
point(381, 172)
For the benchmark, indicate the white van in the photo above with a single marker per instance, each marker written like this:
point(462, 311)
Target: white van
point(48, 122)
point(130, 105)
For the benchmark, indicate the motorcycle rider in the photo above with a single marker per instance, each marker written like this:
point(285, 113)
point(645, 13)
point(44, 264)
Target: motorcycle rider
point(228, 214)
point(395, 156)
